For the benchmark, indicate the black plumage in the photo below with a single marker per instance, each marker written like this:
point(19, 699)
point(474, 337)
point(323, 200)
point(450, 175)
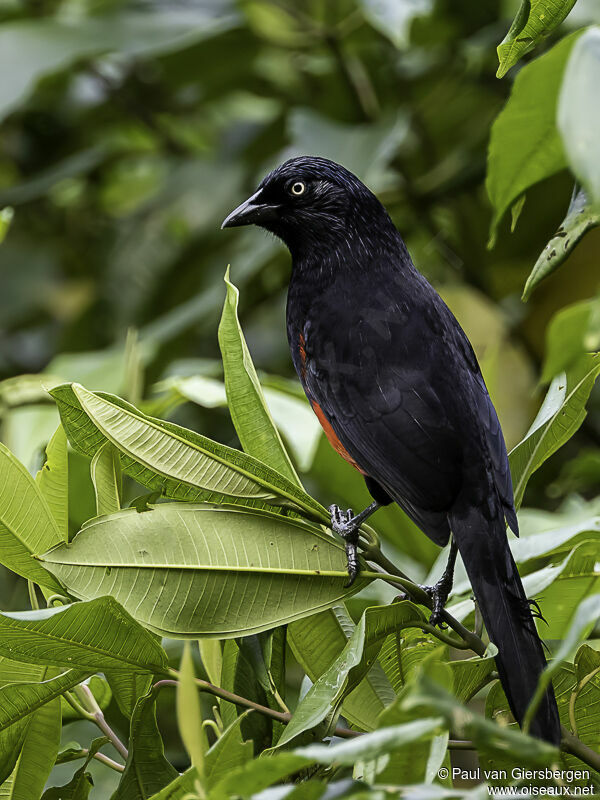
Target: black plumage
point(397, 387)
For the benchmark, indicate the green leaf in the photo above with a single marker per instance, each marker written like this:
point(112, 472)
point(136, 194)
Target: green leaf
point(534, 21)
point(18, 700)
point(371, 745)
point(38, 753)
point(27, 526)
point(316, 641)
point(182, 464)
point(428, 697)
point(78, 788)
point(585, 617)
point(257, 775)
point(189, 713)
point(573, 331)
point(525, 145)
point(182, 788)
point(561, 414)
point(6, 215)
point(580, 218)
point(106, 476)
point(53, 480)
point(147, 770)
point(211, 653)
point(578, 116)
point(217, 571)
point(237, 676)
point(11, 739)
point(249, 412)
point(99, 635)
point(128, 687)
point(229, 752)
point(291, 412)
point(325, 696)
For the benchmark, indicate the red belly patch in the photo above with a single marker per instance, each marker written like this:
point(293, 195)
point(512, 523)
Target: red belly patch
point(333, 439)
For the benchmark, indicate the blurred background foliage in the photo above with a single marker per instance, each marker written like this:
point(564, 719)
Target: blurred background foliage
point(129, 129)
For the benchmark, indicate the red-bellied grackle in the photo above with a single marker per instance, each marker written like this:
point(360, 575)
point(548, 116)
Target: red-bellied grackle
point(397, 388)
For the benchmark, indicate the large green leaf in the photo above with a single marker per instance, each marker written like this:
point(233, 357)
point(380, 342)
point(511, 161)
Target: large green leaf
point(98, 635)
point(147, 770)
point(186, 570)
point(165, 457)
point(534, 20)
point(580, 218)
point(78, 788)
point(325, 696)
point(27, 526)
point(561, 414)
point(249, 411)
point(525, 145)
point(579, 112)
point(38, 753)
point(53, 480)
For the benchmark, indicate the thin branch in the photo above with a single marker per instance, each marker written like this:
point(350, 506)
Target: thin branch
point(108, 762)
point(87, 698)
point(571, 744)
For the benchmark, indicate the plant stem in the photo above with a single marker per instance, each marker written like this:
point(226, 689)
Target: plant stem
point(243, 702)
point(88, 700)
point(571, 744)
point(109, 762)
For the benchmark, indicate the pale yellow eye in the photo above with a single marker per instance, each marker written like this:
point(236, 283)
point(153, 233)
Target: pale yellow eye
point(297, 188)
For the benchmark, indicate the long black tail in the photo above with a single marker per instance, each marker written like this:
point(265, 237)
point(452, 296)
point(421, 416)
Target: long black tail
point(483, 545)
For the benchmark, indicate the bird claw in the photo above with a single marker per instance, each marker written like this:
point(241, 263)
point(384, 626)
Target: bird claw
point(343, 523)
point(438, 594)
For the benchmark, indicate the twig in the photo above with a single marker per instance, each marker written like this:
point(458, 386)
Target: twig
point(84, 693)
point(108, 761)
point(571, 744)
point(244, 702)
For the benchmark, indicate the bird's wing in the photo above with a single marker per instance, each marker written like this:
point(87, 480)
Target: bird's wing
point(396, 384)
point(373, 382)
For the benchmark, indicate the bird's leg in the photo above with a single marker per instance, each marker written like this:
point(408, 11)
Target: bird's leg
point(346, 525)
point(439, 592)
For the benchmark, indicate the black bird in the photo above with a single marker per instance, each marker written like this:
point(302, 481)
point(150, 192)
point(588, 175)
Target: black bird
point(396, 385)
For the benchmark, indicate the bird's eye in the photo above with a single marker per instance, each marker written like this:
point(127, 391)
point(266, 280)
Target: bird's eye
point(297, 188)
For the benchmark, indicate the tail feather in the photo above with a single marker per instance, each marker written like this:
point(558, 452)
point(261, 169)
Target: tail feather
point(506, 611)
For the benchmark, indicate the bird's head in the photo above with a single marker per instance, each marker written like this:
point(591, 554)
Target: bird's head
point(311, 202)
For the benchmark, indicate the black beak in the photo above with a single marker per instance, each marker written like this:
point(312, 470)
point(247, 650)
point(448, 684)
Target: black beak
point(251, 212)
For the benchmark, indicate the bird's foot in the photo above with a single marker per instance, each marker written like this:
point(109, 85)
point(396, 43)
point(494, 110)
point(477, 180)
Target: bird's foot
point(439, 595)
point(347, 526)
